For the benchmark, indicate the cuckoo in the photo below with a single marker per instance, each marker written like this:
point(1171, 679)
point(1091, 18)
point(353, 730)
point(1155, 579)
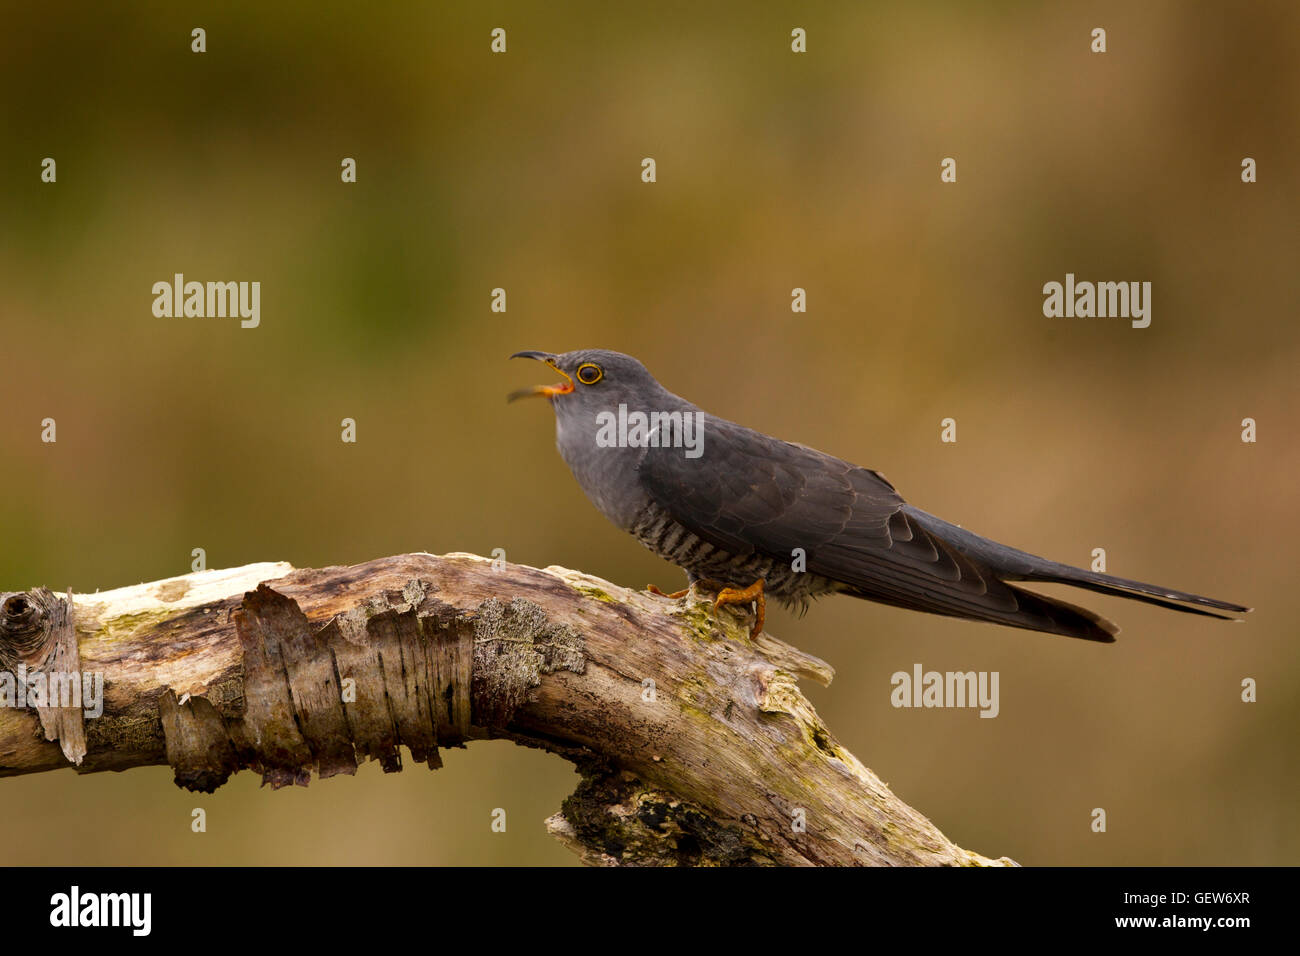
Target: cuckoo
point(749, 516)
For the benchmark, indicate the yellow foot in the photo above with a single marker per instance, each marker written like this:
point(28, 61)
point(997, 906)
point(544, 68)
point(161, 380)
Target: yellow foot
point(738, 596)
point(675, 595)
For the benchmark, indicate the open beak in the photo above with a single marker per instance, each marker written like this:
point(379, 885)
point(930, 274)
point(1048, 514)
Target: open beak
point(548, 391)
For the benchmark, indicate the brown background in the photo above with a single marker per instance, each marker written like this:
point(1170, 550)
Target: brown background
point(775, 170)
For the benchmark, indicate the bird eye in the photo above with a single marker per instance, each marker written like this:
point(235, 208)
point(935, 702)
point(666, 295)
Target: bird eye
point(589, 374)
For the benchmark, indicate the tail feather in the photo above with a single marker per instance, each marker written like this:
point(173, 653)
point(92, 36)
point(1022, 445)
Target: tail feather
point(1030, 610)
point(1014, 565)
point(1135, 591)
point(1071, 620)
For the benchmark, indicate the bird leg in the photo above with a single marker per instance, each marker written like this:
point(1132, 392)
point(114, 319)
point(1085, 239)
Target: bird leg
point(743, 596)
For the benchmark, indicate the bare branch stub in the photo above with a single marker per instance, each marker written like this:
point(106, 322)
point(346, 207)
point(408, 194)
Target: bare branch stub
point(38, 650)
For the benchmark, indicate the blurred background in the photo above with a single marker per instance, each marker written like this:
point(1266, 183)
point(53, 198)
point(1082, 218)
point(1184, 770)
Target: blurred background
point(775, 171)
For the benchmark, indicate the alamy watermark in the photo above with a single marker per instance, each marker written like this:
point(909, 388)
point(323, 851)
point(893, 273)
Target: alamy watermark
point(130, 910)
point(637, 429)
point(946, 689)
point(84, 689)
point(1102, 300)
point(212, 300)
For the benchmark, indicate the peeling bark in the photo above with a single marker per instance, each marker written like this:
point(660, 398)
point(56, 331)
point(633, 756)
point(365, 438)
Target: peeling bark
point(695, 744)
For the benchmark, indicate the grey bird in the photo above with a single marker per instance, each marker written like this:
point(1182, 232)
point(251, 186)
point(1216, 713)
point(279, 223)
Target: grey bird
point(748, 515)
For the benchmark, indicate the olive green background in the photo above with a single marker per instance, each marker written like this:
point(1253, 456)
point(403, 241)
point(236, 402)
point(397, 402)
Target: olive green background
point(775, 170)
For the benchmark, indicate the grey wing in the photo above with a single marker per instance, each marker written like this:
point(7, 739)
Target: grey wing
point(750, 493)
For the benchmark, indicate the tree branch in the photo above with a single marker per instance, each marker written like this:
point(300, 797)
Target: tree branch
point(694, 742)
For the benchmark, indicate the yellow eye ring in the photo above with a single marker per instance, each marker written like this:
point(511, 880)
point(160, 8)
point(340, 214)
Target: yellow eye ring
point(589, 373)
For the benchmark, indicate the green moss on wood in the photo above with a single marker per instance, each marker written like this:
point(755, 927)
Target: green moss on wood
point(592, 592)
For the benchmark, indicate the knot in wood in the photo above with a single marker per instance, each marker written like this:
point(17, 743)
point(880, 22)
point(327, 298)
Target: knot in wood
point(26, 619)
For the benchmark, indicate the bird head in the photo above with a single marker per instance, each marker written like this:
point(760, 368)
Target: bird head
point(594, 379)
point(587, 403)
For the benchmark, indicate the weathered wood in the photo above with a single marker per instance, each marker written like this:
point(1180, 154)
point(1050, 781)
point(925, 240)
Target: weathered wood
point(695, 743)
point(37, 638)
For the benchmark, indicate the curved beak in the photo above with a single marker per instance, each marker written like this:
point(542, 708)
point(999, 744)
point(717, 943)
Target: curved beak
point(547, 391)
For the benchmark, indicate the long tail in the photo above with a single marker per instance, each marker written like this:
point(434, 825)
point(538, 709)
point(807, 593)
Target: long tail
point(1014, 565)
point(1033, 612)
point(1133, 590)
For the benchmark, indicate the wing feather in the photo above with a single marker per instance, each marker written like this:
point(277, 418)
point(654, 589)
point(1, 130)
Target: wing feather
point(750, 493)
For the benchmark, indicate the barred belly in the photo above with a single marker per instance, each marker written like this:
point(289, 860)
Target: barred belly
point(655, 529)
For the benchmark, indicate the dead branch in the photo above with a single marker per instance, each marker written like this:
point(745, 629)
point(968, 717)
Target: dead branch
point(695, 745)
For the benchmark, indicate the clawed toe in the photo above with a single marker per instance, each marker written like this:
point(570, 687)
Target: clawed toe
point(674, 595)
point(754, 593)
